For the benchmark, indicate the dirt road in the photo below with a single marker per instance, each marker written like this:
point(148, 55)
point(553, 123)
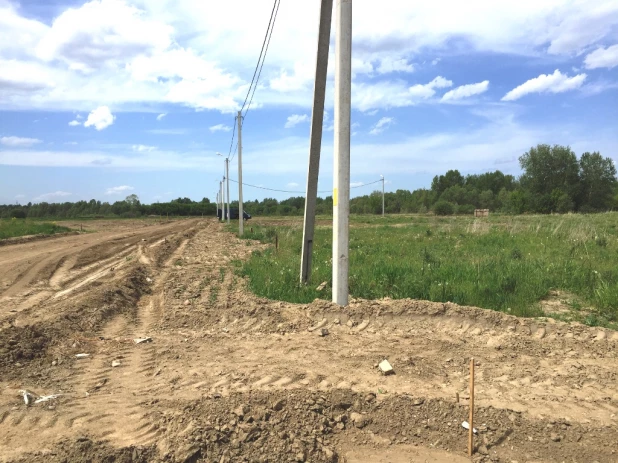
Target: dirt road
point(231, 377)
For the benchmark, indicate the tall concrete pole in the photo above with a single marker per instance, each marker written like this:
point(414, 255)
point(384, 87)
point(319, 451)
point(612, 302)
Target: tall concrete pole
point(218, 202)
point(223, 196)
point(341, 171)
point(241, 218)
point(315, 146)
point(382, 195)
point(227, 181)
point(222, 200)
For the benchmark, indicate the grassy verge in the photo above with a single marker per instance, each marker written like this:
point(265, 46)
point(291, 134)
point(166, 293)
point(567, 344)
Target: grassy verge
point(503, 263)
point(10, 228)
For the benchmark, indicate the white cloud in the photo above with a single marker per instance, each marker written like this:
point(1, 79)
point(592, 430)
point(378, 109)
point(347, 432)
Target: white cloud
point(99, 33)
point(435, 61)
point(220, 128)
point(51, 196)
point(296, 119)
point(382, 125)
point(139, 53)
point(394, 94)
point(20, 197)
point(356, 184)
point(143, 148)
point(72, 143)
point(100, 118)
point(19, 142)
point(293, 185)
point(116, 190)
point(602, 58)
point(552, 83)
point(388, 65)
point(74, 123)
point(465, 91)
point(161, 116)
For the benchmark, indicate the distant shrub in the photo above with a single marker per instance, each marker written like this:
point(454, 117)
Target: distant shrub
point(466, 209)
point(18, 213)
point(444, 208)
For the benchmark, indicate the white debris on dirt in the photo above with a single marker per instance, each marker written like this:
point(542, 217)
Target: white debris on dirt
point(386, 368)
point(142, 340)
point(82, 356)
point(116, 363)
point(466, 425)
point(28, 396)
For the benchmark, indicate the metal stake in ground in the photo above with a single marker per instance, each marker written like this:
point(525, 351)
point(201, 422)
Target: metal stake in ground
point(471, 417)
point(341, 171)
point(315, 146)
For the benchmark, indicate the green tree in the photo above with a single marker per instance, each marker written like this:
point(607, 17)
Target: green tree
point(598, 181)
point(132, 200)
point(549, 168)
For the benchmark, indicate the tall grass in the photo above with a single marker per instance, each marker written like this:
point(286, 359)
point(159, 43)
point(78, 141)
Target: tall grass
point(502, 263)
point(10, 228)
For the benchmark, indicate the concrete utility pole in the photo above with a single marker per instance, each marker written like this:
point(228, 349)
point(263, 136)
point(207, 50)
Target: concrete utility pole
point(382, 195)
point(317, 121)
point(241, 218)
point(222, 200)
point(224, 196)
point(341, 171)
point(218, 202)
point(227, 180)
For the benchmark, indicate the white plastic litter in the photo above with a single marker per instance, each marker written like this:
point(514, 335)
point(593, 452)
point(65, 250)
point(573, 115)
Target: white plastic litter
point(29, 397)
point(45, 398)
point(466, 425)
point(82, 356)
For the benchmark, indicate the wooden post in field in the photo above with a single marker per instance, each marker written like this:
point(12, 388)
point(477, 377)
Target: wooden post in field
point(471, 418)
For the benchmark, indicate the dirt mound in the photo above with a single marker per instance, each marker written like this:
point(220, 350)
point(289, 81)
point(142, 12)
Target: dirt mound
point(83, 449)
point(24, 350)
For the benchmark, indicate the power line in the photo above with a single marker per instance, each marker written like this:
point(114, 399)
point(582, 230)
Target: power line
point(264, 59)
point(298, 192)
point(268, 30)
point(259, 66)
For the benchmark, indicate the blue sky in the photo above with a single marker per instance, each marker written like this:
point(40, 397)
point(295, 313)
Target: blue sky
point(106, 98)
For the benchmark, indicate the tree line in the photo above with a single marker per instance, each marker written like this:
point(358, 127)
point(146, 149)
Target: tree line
point(553, 180)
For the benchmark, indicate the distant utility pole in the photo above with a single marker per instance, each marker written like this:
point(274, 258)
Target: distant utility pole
point(382, 195)
point(241, 218)
point(222, 200)
point(218, 202)
point(227, 180)
point(317, 121)
point(341, 171)
point(224, 197)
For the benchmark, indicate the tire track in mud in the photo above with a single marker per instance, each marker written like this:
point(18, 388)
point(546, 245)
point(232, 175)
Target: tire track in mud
point(99, 399)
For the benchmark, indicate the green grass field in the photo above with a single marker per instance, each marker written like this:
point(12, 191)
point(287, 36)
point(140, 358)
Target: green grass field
point(10, 228)
point(505, 263)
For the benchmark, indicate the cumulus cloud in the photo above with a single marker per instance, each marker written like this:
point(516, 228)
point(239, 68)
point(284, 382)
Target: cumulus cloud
point(387, 94)
point(292, 185)
point(102, 32)
point(19, 142)
point(388, 65)
point(465, 91)
point(143, 148)
point(552, 83)
point(296, 119)
point(116, 190)
point(161, 116)
point(100, 118)
point(382, 125)
point(51, 196)
point(74, 123)
point(602, 58)
point(220, 128)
